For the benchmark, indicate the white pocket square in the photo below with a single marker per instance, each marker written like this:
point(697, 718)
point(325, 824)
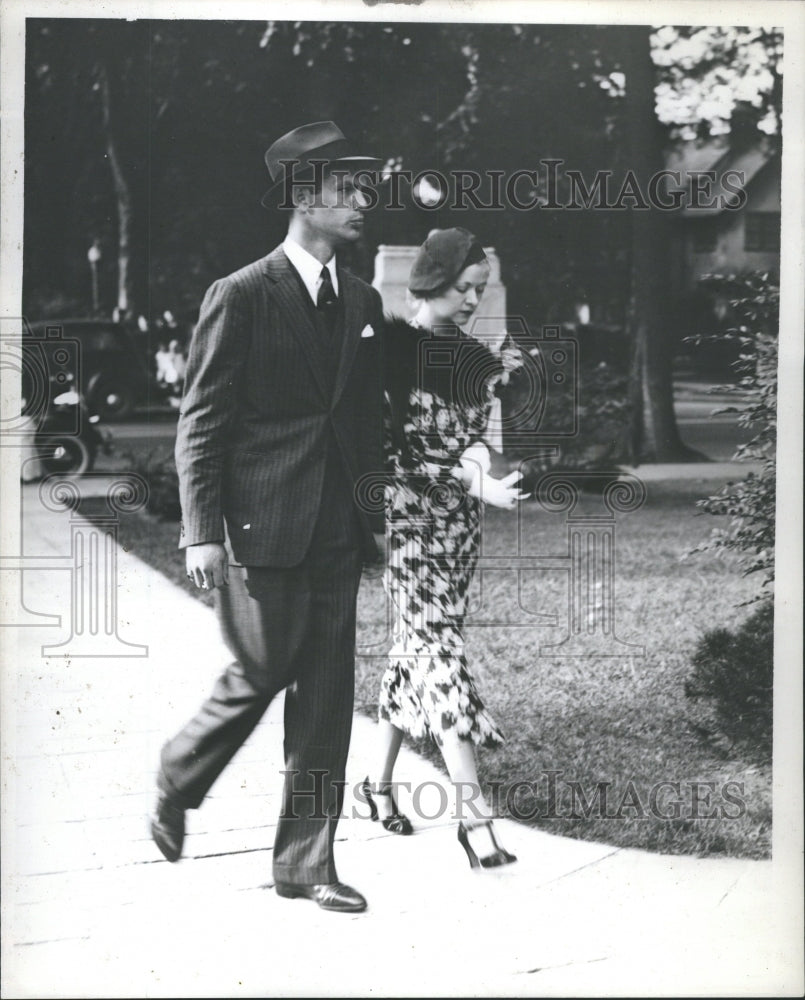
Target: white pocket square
point(367, 331)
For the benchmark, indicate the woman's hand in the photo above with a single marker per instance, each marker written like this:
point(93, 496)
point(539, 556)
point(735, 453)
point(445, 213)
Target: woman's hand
point(512, 360)
point(497, 492)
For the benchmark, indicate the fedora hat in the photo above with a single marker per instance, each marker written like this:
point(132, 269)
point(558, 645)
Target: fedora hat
point(294, 154)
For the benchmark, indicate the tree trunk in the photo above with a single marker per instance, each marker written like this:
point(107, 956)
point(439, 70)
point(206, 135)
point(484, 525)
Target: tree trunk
point(123, 195)
point(655, 436)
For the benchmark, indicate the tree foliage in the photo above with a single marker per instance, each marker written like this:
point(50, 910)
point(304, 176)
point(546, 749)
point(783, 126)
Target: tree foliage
point(149, 136)
point(706, 72)
point(750, 503)
point(195, 104)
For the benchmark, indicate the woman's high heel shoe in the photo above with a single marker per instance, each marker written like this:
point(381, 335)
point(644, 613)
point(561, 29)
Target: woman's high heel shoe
point(498, 855)
point(397, 822)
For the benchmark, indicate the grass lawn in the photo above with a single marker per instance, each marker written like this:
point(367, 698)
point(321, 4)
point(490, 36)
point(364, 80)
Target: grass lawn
point(623, 721)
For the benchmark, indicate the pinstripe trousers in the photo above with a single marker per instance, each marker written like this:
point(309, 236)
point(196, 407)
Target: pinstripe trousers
point(291, 628)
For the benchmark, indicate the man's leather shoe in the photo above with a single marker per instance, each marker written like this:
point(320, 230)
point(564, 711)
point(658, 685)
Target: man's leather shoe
point(167, 827)
point(330, 896)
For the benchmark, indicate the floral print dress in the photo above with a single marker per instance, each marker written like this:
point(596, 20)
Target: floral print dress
point(433, 529)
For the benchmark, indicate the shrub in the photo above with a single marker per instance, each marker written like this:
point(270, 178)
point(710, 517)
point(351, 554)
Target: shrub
point(736, 670)
point(750, 502)
point(603, 411)
point(158, 469)
point(604, 418)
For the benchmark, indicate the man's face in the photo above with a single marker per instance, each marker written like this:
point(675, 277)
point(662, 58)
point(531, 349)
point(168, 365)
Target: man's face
point(336, 212)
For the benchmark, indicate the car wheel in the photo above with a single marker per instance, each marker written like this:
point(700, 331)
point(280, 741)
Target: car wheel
point(68, 455)
point(113, 400)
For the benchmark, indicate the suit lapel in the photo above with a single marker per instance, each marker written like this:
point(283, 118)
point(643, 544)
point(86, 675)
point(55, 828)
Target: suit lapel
point(290, 297)
point(348, 329)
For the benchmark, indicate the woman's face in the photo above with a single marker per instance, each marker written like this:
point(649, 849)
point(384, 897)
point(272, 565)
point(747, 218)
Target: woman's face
point(458, 303)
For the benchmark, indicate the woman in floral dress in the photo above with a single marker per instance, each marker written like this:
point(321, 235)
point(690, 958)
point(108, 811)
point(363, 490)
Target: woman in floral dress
point(440, 386)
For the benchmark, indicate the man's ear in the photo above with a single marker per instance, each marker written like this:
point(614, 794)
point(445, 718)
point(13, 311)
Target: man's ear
point(303, 196)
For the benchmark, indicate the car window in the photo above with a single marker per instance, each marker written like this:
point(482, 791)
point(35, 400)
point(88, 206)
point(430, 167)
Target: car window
point(102, 340)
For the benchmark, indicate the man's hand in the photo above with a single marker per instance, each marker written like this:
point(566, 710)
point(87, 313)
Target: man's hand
point(375, 570)
point(207, 565)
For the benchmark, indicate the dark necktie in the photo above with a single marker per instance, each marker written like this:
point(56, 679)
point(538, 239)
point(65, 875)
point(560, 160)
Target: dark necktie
point(326, 297)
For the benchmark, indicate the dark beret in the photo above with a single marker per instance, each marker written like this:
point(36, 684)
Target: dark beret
point(442, 257)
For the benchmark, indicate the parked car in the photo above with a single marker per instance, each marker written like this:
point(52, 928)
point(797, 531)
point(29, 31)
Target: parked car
point(108, 362)
point(59, 433)
point(69, 437)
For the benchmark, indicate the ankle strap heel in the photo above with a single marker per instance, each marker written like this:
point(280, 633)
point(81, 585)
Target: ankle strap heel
point(497, 857)
point(397, 822)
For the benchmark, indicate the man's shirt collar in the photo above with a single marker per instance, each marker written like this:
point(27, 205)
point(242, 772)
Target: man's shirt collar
point(308, 267)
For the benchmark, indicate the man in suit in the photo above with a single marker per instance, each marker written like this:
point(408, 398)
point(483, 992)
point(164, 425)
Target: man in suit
point(281, 417)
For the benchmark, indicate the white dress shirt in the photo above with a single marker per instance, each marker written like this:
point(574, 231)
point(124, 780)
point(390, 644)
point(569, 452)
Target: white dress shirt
point(308, 267)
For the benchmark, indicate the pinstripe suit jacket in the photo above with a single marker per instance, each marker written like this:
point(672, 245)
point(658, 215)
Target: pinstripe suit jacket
point(260, 410)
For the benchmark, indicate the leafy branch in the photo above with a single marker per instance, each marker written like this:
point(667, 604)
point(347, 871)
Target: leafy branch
point(750, 502)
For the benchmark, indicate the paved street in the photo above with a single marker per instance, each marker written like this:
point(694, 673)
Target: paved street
point(714, 435)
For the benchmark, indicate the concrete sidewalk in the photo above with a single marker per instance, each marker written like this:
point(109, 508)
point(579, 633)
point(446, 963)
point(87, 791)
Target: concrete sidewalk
point(91, 909)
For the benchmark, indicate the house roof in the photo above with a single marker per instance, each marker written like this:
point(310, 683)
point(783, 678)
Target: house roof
point(696, 155)
point(719, 156)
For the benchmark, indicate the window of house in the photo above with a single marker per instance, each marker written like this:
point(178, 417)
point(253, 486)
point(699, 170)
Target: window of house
point(704, 236)
point(762, 231)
